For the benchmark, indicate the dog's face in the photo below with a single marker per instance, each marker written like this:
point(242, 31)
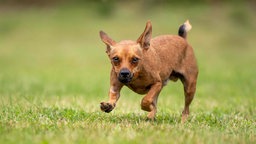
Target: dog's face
point(126, 60)
point(127, 56)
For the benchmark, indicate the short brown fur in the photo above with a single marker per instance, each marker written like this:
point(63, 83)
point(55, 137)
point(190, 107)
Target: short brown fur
point(146, 65)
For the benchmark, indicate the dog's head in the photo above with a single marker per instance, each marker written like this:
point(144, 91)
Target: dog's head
point(127, 56)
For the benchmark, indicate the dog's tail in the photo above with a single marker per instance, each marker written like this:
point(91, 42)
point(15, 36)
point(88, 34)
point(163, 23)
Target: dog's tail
point(184, 28)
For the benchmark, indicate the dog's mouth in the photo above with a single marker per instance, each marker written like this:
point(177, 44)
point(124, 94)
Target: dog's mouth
point(125, 80)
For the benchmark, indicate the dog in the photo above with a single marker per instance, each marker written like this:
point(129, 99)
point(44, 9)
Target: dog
point(146, 65)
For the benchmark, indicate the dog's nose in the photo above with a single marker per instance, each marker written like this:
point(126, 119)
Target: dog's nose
point(125, 73)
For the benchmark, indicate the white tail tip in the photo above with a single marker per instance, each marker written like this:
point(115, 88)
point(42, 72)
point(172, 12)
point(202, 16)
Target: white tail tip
point(188, 26)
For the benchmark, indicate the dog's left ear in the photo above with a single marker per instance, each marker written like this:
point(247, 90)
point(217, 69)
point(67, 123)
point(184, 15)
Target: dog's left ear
point(107, 40)
point(145, 37)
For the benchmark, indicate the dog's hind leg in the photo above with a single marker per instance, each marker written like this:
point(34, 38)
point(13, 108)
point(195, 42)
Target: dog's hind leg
point(189, 83)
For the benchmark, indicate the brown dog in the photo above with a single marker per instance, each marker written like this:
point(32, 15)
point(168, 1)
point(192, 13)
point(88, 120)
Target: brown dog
point(146, 65)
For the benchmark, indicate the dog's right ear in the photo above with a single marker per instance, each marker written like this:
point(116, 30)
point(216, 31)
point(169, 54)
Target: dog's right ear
point(107, 40)
point(145, 37)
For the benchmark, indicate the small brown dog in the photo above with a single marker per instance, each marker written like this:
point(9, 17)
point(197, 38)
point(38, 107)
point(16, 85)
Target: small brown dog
point(146, 65)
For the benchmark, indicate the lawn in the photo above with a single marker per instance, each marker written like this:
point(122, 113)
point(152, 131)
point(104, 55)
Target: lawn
point(54, 73)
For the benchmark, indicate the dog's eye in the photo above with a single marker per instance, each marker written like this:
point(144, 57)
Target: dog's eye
point(115, 59)
point(135, 60)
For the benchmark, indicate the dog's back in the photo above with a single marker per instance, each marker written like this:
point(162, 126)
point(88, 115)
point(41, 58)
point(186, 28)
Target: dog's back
point(170, 49)
point(172, 53)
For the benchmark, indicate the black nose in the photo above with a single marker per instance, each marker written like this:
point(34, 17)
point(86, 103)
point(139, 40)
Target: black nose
point(125, 73)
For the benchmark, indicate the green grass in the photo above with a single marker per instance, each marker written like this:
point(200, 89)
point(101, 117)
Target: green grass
point(54, 73)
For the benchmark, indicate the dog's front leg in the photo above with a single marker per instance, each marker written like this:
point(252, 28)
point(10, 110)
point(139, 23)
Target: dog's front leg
point(114, 94)
point(149, 102)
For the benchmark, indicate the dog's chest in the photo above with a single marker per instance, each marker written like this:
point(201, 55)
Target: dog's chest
point(139, 89)
point(140, 86)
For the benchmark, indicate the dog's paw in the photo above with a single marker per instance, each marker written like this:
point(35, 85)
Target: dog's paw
point(106, 107)
point(150, 119)
point(184, 118)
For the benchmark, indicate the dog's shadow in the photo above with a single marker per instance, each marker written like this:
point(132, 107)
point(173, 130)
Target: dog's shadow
point(79, 115)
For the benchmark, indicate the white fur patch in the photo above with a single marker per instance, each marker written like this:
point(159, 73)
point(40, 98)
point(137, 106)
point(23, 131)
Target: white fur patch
point(111, 90)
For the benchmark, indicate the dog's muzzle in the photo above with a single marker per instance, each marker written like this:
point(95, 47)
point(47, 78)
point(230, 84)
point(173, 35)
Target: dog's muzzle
point(125, 76)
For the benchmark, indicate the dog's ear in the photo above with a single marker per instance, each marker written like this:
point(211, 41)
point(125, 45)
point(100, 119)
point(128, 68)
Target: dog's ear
point(107, 40)
point(145, 37)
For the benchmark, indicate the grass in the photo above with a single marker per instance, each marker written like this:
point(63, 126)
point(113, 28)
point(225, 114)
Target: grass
point(54, 73)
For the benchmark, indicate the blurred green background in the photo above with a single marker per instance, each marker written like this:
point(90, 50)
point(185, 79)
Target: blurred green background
point(53, 47)
point(51, 54)
point(57, 41)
